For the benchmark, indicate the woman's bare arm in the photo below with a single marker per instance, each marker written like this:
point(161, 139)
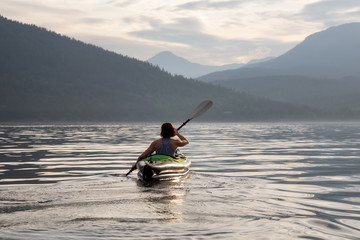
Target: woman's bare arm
point(183, 141)
point(148, 151)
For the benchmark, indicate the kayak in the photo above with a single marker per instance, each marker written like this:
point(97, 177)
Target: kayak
point(163, 167)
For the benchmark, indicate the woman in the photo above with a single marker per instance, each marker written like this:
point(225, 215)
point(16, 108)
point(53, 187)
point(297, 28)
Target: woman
point(165, 145)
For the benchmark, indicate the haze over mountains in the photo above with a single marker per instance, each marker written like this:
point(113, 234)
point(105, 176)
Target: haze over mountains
point(48, 77)
point(180, 66)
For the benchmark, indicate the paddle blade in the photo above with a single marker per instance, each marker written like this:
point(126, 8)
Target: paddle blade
point(202, 108)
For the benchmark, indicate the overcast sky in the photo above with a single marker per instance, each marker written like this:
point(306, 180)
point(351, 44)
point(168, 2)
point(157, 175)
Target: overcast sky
point(204, 31)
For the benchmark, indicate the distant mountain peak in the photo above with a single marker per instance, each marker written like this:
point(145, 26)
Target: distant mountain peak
point(165, 53)
point(164, 58)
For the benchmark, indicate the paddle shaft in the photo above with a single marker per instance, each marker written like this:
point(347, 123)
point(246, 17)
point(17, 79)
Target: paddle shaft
point(183, 124)
point(132, 169)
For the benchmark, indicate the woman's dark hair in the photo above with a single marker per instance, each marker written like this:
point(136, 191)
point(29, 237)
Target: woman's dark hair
point(167, 130)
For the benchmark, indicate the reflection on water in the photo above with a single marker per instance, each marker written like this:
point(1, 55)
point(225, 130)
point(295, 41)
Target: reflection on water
point(165, 198)
point(248, 181)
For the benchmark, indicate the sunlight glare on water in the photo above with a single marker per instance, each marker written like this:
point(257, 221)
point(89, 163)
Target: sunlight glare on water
point(247, 181)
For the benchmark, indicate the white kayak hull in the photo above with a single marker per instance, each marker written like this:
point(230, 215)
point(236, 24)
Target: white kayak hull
point(165, 169)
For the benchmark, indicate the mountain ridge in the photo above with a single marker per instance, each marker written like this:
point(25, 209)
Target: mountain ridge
point(322, 71)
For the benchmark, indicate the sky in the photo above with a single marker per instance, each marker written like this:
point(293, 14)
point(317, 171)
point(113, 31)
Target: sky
point(203, 31)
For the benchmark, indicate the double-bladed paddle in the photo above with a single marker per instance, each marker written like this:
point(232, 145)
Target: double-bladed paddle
point(199, 110)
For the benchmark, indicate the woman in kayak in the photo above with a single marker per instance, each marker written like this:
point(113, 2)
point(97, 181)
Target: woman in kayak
point(165, 145)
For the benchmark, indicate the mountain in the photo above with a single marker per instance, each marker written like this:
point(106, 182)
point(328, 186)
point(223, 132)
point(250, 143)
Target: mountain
point(322, 71)
point(45, 76)
point(333, 53)
point(180, 66)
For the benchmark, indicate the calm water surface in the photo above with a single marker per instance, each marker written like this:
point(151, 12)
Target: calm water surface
point(248, 181)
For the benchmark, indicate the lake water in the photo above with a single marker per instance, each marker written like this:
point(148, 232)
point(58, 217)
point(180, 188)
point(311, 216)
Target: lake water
point(247, 181)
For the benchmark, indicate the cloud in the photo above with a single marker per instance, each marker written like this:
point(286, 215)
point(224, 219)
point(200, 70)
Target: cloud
point(31, 7)
point(181, 30)
point(332, 12)
point(207, 4)
point(186, 38)
point(92, 20)
point(122, 3)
